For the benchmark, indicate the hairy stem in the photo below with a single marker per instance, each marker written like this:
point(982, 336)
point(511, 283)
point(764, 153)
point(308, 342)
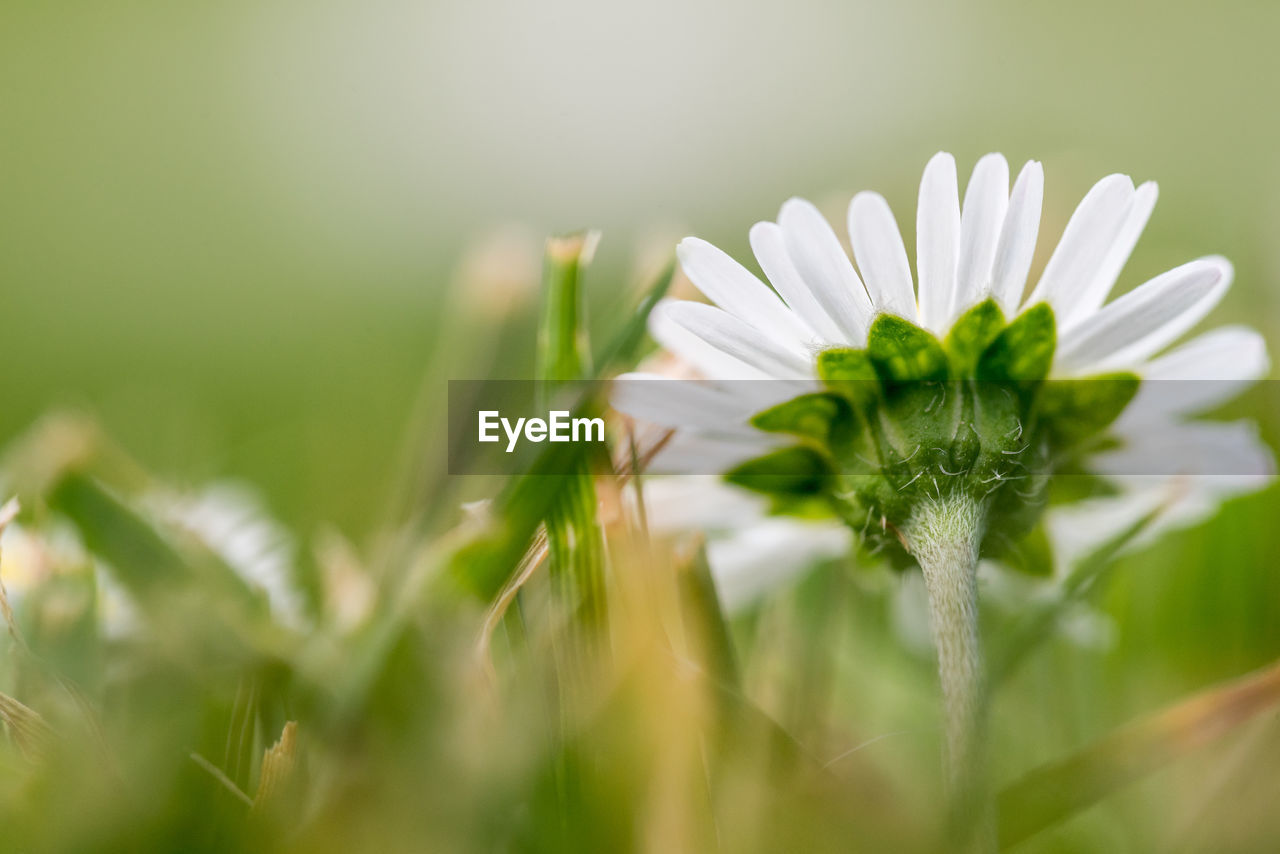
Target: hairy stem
point(944, 536)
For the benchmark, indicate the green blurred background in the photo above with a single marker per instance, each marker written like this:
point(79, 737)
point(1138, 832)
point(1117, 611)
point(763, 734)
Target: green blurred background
point(227, 228)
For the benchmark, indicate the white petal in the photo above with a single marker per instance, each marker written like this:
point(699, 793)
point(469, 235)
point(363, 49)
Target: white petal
point(877, 247)
point(937, 240)
point(1199, 375)
point(770, 553)
point(709, 455)
point(1018, 239)
point(985, 203)
point(739, 340)
point(732, 287)
point(1013, 592)
point(1095, 292)
point(680, 403)
point(1185, 449)
point(709, 361)
point(697, 503)
point(1140, 323)
point(818, 256)
point(1204, 494)
point(1226, 353)
point(770, 249)
point(1078, 528)
point(1085, 244)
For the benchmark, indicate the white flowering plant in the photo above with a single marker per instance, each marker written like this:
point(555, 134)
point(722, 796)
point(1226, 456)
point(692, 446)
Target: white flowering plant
point(933, 418)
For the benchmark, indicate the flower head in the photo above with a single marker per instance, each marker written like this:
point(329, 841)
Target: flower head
point(870, 394)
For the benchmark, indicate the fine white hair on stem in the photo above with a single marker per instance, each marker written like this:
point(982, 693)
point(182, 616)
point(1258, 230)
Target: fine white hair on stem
point(944, 536)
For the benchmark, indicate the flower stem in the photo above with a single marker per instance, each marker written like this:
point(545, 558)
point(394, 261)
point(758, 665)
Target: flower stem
point(944, 536)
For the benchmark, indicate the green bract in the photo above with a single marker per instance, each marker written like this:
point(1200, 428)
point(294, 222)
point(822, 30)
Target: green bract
point(912, 419)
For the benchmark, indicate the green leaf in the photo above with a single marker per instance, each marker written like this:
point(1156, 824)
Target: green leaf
point(705, 623)
point(797, 470)
point(972, 334)
point(1031, 555)
point(198, 604)
point(903, 352)
point(1075, 410)
point(624, 347)
point(821, 416)
point(1073, 484)
point(143, 560)
point(811, 507)
point(141, 557)
point(1089, 575)
point(1023, 352)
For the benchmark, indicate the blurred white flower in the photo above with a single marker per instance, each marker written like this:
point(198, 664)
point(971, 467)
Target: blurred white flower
point(230, 520)
point(749, 551)
point(25, 561)
point(31, 557)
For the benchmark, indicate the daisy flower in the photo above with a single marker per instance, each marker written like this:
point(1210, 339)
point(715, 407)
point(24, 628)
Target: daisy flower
point(758, 346)
point(931, 415)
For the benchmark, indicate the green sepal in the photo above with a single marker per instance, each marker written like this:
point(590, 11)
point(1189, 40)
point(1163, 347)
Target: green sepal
point(968, 441)
point(850, 373)
point(1023, 353)
point(821, 416)
point(971, 335)
point(919, 421)
point(1000, 422)
point(903, 352)
point(1078, 409)
point(793, 471)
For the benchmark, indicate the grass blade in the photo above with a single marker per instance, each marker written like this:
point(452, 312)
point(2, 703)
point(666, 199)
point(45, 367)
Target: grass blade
point(1056, 791)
